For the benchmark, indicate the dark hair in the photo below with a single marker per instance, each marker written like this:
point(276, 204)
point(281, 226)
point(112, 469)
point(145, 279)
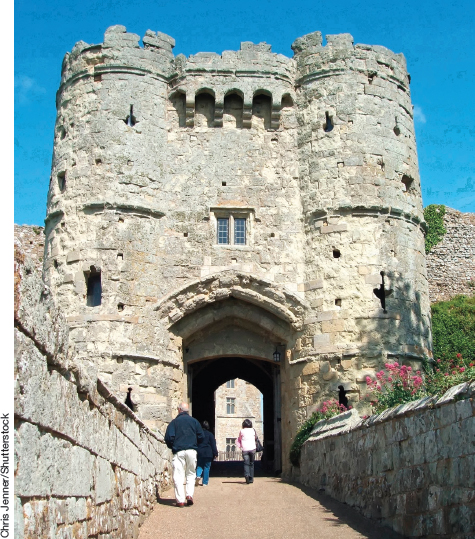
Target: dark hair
point(205, 425)
point(247, 424)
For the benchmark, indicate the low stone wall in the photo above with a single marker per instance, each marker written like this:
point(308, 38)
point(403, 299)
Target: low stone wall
point(85, 465)
point(451, 263)
point(412, 467)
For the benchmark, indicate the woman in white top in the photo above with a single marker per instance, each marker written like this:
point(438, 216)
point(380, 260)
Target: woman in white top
point(247, 442)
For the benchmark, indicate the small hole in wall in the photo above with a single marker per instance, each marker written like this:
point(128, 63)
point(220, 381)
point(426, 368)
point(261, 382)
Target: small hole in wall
point(98, 161)
point(130, 163)
point(185, 234)
point(328, 126)
point(63, 224)
point(392, 252)
point(120, 256)
point(338, 302)
point(371, 76)
point(336, 253)
point(28, 271)
point(31, 243)
point(62, 133)
point(223, 184)
point(272, 235)
point(120, 307)
point(56, 264)
point(407, 182)
point(396, 130)
point(97, 77)
point(121, 219)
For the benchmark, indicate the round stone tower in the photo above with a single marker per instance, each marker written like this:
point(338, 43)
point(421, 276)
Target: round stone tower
point(362, 206)
point(243, 215)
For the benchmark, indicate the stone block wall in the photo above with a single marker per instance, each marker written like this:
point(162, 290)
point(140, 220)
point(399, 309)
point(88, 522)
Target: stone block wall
point(451, 263)
point(411, 467)
point(85, 465)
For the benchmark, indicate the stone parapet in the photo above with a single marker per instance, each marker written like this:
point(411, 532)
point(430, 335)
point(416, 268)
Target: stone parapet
point(410, 467)
point(85, 464)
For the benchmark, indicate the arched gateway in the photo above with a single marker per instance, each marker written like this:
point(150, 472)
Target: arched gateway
point(207, 212)
point(234, 325)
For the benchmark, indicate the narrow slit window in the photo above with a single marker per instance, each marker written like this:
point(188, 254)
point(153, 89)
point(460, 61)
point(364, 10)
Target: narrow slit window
point(230, 384)
point(240, 231)
point(223, 231)
point(328, 123)
point(94, 288)
point(62, 181)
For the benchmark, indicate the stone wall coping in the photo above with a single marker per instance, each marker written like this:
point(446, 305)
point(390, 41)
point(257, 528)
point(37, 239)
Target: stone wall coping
point(351, 420)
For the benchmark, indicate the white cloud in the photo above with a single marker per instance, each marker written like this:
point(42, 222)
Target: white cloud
point(419, 116)
point(26, 89)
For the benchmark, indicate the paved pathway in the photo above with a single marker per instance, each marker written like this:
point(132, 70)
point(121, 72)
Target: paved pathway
point(267, 509)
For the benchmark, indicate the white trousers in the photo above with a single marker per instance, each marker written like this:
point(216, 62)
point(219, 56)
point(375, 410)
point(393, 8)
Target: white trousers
point(184, 465)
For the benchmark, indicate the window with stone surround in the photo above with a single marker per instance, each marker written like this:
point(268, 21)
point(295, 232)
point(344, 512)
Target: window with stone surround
point(230, 445)
point(230, 384)
point(232, 227)
point(230, 405)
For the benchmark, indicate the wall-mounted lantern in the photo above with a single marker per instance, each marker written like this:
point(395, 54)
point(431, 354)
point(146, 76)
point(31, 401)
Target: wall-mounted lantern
point(276, 356)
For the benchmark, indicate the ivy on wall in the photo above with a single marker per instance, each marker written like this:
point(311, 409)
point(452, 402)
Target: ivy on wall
point(434, 217)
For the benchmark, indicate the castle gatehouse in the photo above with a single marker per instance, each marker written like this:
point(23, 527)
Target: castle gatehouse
point(244, 215)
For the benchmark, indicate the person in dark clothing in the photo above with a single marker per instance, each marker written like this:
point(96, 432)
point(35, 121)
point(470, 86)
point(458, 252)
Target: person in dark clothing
point(183, 435)
point(206, 452)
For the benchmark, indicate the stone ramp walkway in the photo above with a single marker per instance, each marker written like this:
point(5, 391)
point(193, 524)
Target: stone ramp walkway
point(267, 509)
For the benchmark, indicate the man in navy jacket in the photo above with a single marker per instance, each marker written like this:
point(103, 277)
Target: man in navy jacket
point(183, 435)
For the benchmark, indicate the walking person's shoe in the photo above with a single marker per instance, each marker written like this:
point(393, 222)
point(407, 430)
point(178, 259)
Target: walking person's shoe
point(189, 500)
point(180, 504)
point(247, 479)
point(197, 481)
point(251, 480)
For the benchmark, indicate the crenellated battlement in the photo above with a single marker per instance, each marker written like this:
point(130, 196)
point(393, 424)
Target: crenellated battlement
point(340, 54)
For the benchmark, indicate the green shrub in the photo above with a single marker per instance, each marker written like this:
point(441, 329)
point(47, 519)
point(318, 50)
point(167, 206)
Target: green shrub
point(434, 217)
point(453, 328)
point(329, 409)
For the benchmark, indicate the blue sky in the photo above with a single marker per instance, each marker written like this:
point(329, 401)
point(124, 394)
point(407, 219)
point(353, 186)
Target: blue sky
point(437, 38)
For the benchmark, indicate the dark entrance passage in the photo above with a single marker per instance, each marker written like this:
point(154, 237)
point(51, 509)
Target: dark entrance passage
point(205, 376)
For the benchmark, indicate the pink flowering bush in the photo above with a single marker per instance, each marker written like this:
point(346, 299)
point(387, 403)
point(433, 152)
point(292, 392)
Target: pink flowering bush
point(447, 372)
point(329, 409)
point(399, 384)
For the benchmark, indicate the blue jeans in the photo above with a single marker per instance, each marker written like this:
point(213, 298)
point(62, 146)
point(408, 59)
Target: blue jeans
point(248, 457)
point(203, 467)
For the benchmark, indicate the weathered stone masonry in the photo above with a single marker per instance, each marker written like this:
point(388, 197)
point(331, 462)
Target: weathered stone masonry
point(412, 467)
point(85, 465)
point(451, 263)
point(317, 153)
